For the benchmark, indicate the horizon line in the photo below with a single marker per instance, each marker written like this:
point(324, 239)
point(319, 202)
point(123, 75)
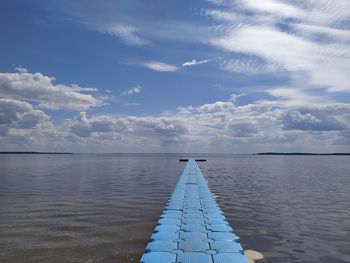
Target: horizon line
point(175, 153)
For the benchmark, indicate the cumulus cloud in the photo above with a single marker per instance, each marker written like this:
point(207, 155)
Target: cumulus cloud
point(15, 114)
point(242, 129)
point(127, 33)
point(330, 118)
point(165, 128)
point(30, 119)
point(219, 106)
point(41, 89)
point(160, 66)
point(269, 123)
point(129, 128)
point(220, 126)
point(133, 90)
point(84, 127)
point(308, 41)
point(10, 108)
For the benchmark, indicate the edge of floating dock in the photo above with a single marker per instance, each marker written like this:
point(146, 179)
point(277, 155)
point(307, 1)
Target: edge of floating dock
point(192, 227)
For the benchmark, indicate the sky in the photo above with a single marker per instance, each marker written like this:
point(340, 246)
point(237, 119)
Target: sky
point(214, 76)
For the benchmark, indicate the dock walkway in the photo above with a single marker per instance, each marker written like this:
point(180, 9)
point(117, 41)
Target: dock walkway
point(192, 227)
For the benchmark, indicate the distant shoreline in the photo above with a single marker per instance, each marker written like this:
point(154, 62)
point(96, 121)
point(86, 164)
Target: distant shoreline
point(180, 154)
point(277, 153)
point(34, 153)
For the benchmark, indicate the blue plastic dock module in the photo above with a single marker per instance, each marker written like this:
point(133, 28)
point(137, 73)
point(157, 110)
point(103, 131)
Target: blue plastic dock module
point(192, 227)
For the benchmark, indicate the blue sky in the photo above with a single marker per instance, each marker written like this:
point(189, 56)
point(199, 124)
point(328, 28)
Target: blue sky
point(238, 76)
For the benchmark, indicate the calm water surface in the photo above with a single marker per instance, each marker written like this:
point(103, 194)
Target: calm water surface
point(103, 208)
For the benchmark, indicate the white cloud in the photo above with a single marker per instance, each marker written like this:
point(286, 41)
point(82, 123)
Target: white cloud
point(242, 129)
point(313, 31)
point(297, 97)
point(315, 119)
point(314, 44)
point(133, 90)
point(327, 12)
point(84, 127)
point(278, 8)
point(307, 40)
point(248, 66)
point(220, 126)
point(219, 106)
point(127, 33)
point(15, 114)
point(160, 66)
point(38, 88)
point(164, 67)
point(194, 62)
point(222, 16)
point(10, 108)
point(21, 69)
point(165, 128)
point(272, 47)
point(129, 128)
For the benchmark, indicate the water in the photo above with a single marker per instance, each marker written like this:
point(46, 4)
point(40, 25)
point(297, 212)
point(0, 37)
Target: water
point(103, 208)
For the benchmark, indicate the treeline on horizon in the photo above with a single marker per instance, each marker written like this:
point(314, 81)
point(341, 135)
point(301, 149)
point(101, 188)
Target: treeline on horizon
point(35, 153)
point(296, 153)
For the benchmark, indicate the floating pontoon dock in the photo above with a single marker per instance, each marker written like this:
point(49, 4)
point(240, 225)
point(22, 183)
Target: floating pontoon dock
point(192, 227)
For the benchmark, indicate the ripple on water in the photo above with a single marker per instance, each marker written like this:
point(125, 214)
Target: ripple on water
point(103, 208)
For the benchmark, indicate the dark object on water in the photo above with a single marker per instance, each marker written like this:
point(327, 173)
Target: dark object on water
point(197, 160)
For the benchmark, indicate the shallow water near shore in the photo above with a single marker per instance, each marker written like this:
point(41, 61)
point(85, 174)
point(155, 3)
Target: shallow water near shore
point(103, 208)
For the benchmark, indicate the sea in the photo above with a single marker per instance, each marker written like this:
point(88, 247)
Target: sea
point(104, 207)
